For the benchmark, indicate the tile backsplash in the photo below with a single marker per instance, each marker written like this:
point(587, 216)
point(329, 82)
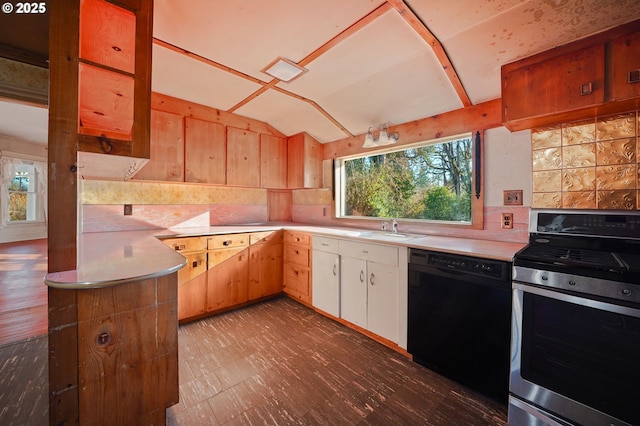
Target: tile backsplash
point(590, 164)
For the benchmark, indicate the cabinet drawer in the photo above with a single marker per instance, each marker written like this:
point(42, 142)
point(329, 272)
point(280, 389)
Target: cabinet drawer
point(387, 255)
point(196, 265)
point(186, 243)
point(325, 244)
point(296, 279)
point(265, 237)
point(297, 238)
point(296, 254)
point(227, 241)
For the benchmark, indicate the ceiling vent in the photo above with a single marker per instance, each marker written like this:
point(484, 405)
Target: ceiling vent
point(284, 70)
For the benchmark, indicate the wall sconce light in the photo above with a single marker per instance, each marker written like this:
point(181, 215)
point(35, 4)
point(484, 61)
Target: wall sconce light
point(384, 137)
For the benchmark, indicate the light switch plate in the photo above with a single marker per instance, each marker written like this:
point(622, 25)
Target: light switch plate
point(512, 197)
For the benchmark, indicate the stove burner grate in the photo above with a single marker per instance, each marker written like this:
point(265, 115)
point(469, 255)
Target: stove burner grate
point(574, 257)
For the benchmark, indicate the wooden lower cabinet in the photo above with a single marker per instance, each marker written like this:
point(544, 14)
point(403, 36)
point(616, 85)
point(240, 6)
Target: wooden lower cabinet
point(192, 284)
point(297, 265)
point(191, 298)
point(228, 281)
point(265, 265)
point(225, 271)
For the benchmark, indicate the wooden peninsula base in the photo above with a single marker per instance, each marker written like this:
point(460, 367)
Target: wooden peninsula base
point(113, 353)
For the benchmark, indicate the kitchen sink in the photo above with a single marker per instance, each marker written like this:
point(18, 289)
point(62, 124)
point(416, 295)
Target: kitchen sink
point(387, 236)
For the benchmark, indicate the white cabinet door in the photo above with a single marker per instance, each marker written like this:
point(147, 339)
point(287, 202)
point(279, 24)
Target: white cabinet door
point(326, 282)
point(353, 290)
point(383, 282)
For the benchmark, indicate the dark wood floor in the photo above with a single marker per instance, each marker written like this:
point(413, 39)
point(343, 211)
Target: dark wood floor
point(278, 362)
point(282, 363)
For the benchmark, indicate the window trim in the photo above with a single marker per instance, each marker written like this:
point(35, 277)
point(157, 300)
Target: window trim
point(477, 202)
point(40, 192)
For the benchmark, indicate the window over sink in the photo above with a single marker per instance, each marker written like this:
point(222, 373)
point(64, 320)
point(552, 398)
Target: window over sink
point(431, 181)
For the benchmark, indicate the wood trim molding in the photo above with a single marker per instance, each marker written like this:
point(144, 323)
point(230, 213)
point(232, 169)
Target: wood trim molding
point(424, 32)
point(486, 115)
point(160, 102)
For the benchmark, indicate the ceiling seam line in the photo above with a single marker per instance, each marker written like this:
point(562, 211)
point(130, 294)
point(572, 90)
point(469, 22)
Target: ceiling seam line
point(253, 95)
point(405, 11)
point(264, 88)
point(318, 107)
point(347, 32)
point(207, 61)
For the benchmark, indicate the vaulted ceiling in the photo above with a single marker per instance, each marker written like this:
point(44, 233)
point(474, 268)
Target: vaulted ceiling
point(368, 62)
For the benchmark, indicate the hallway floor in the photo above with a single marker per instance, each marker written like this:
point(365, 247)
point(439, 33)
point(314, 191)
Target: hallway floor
point(23, 293)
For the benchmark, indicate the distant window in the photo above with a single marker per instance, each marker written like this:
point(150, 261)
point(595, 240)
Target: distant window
point(22, 194)
point(431, 181)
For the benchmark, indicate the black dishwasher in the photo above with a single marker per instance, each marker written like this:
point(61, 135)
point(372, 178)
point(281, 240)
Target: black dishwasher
point(459, 322)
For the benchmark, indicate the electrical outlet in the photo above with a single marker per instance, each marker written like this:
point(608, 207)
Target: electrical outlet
point(506, 221)
point(128, 209)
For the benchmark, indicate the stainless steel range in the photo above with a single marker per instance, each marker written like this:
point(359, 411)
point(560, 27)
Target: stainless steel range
point(575, 352)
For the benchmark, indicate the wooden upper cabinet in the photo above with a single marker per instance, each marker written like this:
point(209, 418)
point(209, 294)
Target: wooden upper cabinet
point(595, 76)
point(555, 85)
point(243, 157)
point(273, 161)
point(114, 76)
point(167, 148)
point(625, 70)
point(108, 35)
point(106, 103)
point(304, 161)
point(205, 151)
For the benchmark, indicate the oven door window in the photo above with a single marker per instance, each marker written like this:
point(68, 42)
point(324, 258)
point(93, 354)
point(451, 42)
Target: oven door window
point(589, 355)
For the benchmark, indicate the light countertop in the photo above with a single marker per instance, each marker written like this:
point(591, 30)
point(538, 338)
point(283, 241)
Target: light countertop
point(111, 258)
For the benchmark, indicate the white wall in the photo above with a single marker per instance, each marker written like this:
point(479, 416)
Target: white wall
point(507, 165)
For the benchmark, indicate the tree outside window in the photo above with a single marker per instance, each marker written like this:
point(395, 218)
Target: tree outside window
point(427, 182)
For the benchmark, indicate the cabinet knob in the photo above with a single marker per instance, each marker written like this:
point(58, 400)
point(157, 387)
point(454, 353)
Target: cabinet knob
point(372, 279)
point(361, 276)
point(335, 269)
point(227, 242)
point(586, 89)
point(633, 76)
point(179, 247)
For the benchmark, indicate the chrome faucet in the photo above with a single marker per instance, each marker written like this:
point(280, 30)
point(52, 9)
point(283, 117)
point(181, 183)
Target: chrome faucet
point(384, 225)
point(394, 226)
